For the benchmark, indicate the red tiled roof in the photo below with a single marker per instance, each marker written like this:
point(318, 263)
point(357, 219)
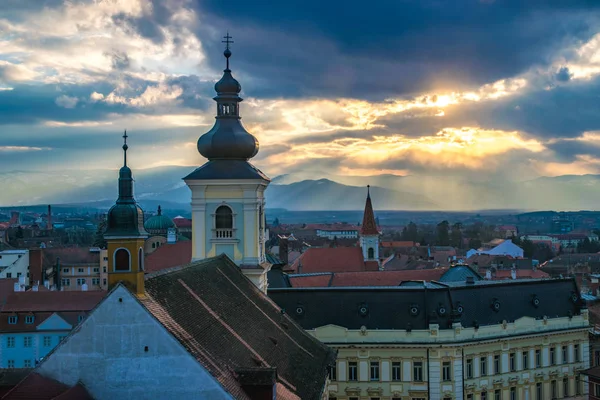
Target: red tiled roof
point(7, 287)
point(521, 274)
point(366, 278)
point(169, 256)
point(405, 243)
point(385, 278)
point(369, 226)
point(310, 280)
point(72, 255)
point(36, 387)
point(182, 222)
point(77, 392)
point(330, 259)
point(52, 301)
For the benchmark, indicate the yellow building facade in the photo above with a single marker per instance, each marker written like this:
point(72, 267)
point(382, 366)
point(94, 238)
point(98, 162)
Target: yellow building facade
point(528, 359)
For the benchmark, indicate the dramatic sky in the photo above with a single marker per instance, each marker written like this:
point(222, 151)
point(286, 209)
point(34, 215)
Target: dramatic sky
point(505, 89)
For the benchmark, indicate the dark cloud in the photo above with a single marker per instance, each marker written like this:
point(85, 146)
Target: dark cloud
point(568, 150)
point(564, 111)
point(30, 104)
point(563, 75)
point(314, 48)
point(120, 60)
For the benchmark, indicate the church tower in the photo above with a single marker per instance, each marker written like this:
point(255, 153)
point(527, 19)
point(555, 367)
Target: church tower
point(125, 234)
point(228, 203)
point(369, 234)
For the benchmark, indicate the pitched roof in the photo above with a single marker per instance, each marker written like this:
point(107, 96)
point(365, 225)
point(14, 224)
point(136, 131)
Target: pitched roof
point(402, 243)
point(311, 280)
point(364, 278)
point(224, 321)
point(35, 386)
point(7, 287)
point(181, 222)
point(521, 274)
point(52, 301)
point(169, 256)
point(330, 259)
point(72, 255)
point(369, 226)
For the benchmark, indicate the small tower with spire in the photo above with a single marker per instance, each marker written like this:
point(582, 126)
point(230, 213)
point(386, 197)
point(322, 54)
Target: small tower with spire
point(228, 200)
point(125, 234)
point(369, 234)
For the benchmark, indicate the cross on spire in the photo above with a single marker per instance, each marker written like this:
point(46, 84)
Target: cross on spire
point(125, 147)
point(227, 52)
point(227, 40)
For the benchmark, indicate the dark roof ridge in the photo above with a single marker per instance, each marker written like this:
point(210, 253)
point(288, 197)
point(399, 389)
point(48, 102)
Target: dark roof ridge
point(310, 274)
point(196, 263)
point(443, 285)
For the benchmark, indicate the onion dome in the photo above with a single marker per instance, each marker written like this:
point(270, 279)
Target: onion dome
point(125, 218)
point(159, 224)
point(228, 139)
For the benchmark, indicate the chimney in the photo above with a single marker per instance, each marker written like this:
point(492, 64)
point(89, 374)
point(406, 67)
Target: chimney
point(171, 236)
point(488, 274)
point(283, 249)
point(50, 227)
point(258, 383)
point(513, 273)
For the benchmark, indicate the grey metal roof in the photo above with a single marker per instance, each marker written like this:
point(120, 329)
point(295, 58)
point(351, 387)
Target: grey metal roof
point(390, 307)
point(227, 169)
point(459, 273)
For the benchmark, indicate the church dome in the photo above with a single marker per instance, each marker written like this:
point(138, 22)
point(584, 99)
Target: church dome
point(228, 139)
point(125, 219)
point(228, 84)
point(159, 224)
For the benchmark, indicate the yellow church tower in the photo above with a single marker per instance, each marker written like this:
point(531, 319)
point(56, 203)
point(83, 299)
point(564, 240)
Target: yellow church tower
point(125, 234)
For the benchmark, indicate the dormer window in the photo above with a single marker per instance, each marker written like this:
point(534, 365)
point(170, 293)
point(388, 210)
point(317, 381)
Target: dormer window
point(12, 319)
point(29, 319)
point(80, 318)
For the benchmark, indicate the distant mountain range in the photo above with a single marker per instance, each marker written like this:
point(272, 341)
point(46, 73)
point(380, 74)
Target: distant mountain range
point(164, 185)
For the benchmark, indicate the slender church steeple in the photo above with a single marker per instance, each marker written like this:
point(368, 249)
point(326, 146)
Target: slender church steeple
point(369, 234)
point(125, 234)
point(125, 177)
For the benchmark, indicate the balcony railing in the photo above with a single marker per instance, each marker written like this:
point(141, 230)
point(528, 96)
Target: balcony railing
point(223, 233)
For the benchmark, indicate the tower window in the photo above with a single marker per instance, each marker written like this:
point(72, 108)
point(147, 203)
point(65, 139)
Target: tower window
point(224, 218)
point(140, 260)
point(371, 253)
point(122, 260)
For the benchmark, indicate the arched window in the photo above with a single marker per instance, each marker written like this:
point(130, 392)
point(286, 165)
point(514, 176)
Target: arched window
point(223, 218)
point(122, 260)
point(370, 253)
point(140, 260)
